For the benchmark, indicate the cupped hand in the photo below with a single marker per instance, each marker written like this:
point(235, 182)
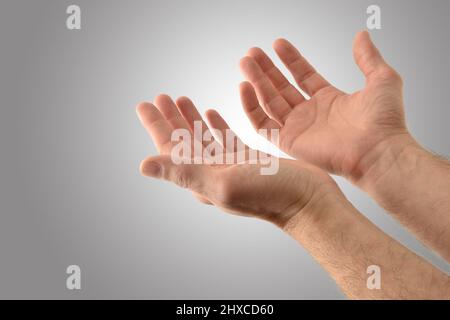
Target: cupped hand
point(330, 129)
point(238, 188)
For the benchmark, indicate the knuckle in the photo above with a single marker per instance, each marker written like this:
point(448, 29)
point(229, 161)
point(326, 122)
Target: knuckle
point(391, 74)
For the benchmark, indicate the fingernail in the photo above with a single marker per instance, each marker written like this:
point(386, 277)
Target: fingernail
point(151, 169)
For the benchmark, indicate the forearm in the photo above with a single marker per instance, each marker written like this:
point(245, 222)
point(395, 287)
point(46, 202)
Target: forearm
point(413, 185)
point(345, 243)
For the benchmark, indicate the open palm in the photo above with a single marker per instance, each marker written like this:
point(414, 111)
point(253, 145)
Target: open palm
point(332, 129)
point(237, 188)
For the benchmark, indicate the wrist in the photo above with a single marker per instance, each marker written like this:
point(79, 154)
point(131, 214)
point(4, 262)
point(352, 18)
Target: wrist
point(413, 185)
point(387, 158)
point(322, 209)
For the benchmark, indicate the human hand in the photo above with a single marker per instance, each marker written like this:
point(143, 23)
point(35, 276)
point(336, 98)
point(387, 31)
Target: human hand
point(336, 131)
point(302, 200)
point(237, 188)
point(362, 136)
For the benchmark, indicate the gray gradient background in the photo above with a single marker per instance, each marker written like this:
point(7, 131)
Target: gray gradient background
point(70, 190)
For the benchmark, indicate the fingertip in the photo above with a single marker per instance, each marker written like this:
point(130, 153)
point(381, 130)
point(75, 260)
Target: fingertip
point(361, 37)
point(210, 112)
point(142, 106)
point(245, 62)
point(143, 109)
point(162, 98)
point(242, 85)
point(254, 51)
point(183, 100)
point(141, 167)
point(184, 103)
point(250, 69)
point(211, 115)
point(364, 33)
point(150, 168)
point(280, 43)
point(242, 62)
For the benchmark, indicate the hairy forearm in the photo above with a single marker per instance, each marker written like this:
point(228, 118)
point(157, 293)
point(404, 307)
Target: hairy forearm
point(414, 186)
point(345, 243)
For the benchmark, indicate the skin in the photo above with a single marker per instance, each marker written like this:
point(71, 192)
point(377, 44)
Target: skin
point(302, 200)
point(361, 136)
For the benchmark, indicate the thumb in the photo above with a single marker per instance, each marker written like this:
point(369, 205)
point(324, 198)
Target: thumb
point(370, 61)
point(196, 177)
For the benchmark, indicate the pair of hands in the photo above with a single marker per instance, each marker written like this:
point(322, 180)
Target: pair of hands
point(329, 131)
point(361, 136)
